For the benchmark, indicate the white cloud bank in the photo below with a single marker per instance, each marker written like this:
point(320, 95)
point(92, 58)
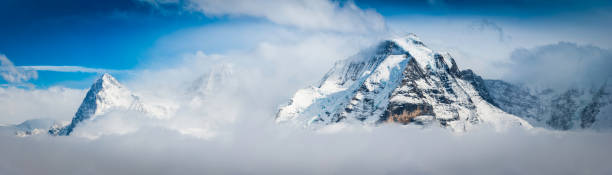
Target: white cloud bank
point(18, 105)
point(269, 149)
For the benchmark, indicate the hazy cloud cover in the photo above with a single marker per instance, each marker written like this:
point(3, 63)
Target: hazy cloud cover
point(18, 105)
point(268, 149)
point(561, 65)
point(485, 24)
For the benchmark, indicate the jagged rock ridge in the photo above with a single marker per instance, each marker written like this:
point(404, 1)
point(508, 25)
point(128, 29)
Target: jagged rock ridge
point(573, 108)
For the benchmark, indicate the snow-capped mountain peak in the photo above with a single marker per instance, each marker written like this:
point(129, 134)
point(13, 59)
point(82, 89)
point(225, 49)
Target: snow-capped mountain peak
point(109, 93)
point(400, 80)
point(104, 95)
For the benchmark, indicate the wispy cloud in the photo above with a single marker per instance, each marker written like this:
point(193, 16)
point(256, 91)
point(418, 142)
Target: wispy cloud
point(486, 24)
point(12, 74)
point(20, 76)
point(69, 69)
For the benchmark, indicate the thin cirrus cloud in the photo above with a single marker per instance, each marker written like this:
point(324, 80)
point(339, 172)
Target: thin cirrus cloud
point(69, 69)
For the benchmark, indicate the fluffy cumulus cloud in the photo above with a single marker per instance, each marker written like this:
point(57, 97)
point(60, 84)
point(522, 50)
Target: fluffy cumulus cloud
point(12, 74)
point(561, 65)
point(305, 14)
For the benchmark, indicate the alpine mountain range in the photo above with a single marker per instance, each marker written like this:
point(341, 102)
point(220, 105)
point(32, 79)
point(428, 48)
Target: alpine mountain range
point(399, 80)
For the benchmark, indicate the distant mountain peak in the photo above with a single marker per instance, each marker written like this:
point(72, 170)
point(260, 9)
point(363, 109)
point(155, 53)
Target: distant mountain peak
point(33, 126)
point(219, 77)
point(105, 93)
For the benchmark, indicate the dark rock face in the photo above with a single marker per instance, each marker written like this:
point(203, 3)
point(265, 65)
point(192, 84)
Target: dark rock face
point(412, 73)
point(589, 113)
point(405, 113)
point(479, 85)
point(570, 109)
point(85, 111)
point(442, 92)
point(564, 107)
point(446, 79)
point(514, 99)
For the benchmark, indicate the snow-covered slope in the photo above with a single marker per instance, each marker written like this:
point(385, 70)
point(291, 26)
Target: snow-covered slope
point(574, 108)
point(400, 80)
point(104, 95)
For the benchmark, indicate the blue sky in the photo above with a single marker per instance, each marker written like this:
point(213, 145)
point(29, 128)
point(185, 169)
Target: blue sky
point(125, 35)
point(102, 34)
